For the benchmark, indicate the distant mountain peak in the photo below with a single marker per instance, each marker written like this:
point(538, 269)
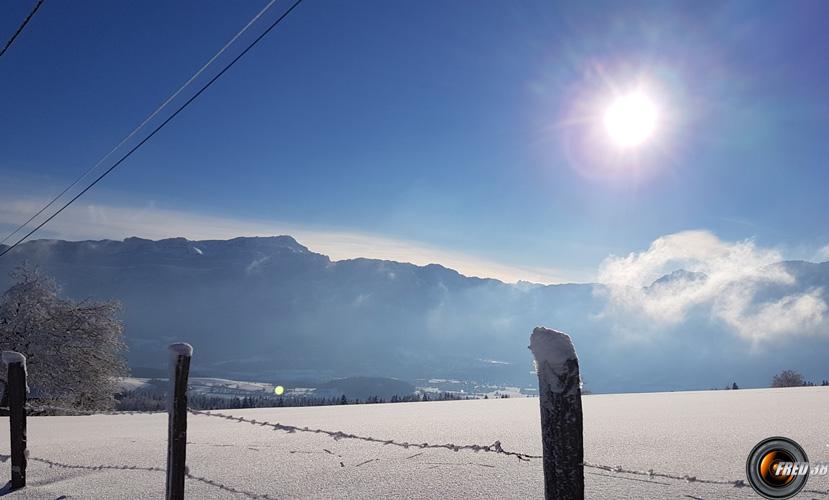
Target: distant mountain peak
point(284, 241)
point(260, 243)
point(679, 275)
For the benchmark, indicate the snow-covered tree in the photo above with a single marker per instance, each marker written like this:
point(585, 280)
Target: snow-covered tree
point(74, 350)
point(788, 378)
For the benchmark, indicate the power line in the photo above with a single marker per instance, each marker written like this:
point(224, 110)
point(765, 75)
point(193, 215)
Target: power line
point(139, 127)
point(20, 29)
point(157, 129)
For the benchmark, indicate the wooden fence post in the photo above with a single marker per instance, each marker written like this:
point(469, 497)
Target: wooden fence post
point(180, 355)
point(559, 390)
point(17, 389)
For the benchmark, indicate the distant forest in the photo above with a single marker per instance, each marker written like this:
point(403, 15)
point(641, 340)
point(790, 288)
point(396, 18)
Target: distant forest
point(145, 400)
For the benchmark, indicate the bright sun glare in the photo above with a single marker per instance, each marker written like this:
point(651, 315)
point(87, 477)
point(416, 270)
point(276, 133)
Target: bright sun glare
point(631, 119)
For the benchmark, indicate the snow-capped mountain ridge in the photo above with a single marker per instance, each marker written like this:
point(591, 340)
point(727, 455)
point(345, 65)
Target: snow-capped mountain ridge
point(259, 308)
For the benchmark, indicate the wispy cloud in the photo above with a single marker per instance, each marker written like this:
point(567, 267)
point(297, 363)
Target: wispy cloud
point(822, 255)
point(722, 279)
point(99, 221)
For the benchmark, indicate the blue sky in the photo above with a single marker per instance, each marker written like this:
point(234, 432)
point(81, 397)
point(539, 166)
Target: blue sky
point(455, 132)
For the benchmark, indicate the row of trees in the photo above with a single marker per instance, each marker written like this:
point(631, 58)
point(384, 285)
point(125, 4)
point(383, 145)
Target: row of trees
point(149, 400)
point(786, 378)
point(791, 378)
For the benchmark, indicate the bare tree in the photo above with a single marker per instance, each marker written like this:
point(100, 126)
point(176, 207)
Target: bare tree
point(74, 350)
point(788, 378)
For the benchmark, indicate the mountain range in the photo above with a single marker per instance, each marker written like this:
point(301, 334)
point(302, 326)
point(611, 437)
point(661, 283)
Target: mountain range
point(270, 309)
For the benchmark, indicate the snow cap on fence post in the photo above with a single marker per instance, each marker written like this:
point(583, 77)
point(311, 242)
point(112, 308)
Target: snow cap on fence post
point(181, 349)
point(559, 391)
point(552, 347)
point(10, 357)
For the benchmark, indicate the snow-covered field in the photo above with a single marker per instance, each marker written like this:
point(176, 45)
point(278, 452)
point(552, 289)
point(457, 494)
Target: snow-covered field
point(704, 434)
point(202, 385)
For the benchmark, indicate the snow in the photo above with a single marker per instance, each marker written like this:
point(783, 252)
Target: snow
point(181, 349)
point(703, 434)
point(552, 349)
point(10, 357)
point(132, 383)
point(551, 346)
point(494, 361)
point(201, 385)
point(207, 383)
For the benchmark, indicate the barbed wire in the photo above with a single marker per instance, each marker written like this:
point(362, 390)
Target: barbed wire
point(61, 465)
point(188, 475)
point(229, 489)
point(650, 474)
point(495, 447)
point(337, 435)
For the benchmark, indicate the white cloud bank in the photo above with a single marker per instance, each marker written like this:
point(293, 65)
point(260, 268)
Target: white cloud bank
point(99, 221)
point(723, 280)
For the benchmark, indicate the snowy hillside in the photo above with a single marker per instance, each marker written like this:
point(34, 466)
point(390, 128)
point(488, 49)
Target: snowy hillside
point(200, 385)
point(358, 387)
point(703, 434)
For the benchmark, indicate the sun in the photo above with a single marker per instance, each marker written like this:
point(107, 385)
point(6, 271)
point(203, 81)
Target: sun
point(631, 119)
